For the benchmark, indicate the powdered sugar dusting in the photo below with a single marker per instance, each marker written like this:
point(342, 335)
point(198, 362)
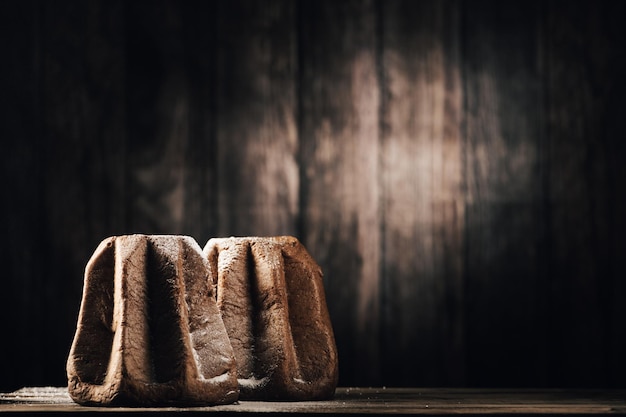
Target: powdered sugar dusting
point(252, 383)
point(219, 378)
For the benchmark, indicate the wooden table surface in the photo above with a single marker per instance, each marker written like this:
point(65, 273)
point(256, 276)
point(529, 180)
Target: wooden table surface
point(370, 401)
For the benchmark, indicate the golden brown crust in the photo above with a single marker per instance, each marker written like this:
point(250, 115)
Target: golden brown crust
point(149, 331)
point(271, 296)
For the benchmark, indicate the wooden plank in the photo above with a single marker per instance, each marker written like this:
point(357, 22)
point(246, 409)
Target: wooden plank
point(83, 130)
point(423, 204)
point(171, 117)
point(361, 401)
point(199, 38)
point(585, 64)
point(22, 206)
point(158, 109)
point(256, 128)
point(504, 289)
point(111, 118)
point(339, 131)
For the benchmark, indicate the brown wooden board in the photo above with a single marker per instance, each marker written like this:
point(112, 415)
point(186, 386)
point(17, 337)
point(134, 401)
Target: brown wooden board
point(456, 168)
point(359, 401)
point(170, 84)
point(585, 184)
point(340, 172)
point(199, 41)
point(257, 142)
point(422, 204)
point(83, 162)
point(158, 109)
point(505, 289)
point(22, 207)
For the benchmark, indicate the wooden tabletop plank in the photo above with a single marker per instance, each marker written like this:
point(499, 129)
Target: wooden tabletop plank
point(370, 401)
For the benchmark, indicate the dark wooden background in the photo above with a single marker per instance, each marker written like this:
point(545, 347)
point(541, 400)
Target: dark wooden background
point(456, 167)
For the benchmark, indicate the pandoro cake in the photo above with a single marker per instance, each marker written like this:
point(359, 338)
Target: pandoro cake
point(149, 331)
point(270, 295)
point(163, 322)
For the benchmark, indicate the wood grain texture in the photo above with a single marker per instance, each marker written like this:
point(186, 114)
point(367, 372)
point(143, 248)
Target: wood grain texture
point(22, 178)
point(362, 401)
point(158, 116)
point(256, 128)
point(503, 194)
point(199, 37)
point(584, 188)
point(171, 60)
point(456, 168)
point(340, 169)
point(422, 208)
point(82, 90)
